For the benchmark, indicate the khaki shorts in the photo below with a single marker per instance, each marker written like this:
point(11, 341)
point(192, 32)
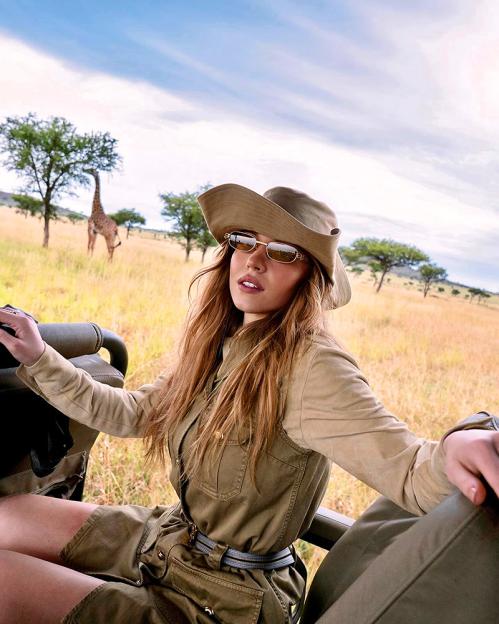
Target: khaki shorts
point(154, 577)
point(108, 546)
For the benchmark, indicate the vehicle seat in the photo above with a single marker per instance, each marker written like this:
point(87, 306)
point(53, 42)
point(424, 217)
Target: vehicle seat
point(392, 567)
point(41, 450)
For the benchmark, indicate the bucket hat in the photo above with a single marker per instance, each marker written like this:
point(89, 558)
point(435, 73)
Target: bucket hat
point(285, 214)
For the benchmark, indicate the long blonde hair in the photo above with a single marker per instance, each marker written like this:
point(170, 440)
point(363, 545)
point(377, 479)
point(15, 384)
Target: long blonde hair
point(249, 403)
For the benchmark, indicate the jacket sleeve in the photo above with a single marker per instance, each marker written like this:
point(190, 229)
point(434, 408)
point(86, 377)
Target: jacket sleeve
point(342, 419)
point(76, 394)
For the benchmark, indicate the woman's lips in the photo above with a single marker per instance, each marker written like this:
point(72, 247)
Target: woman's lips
point(249, 285)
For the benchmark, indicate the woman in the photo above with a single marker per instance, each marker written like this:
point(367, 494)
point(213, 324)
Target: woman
point(259, 403)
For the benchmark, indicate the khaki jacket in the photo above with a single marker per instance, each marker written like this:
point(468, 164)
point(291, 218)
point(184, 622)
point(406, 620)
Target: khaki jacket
point(330, 415)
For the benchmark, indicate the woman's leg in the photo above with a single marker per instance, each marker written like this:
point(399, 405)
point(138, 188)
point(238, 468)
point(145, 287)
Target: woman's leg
point(33, 531)
point(33, 590)
point(39, 525)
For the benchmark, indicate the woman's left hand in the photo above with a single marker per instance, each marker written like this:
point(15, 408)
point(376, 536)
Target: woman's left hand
point(469, 455)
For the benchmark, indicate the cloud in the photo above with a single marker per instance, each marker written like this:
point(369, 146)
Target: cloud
point(417, 85)
point(171, 142)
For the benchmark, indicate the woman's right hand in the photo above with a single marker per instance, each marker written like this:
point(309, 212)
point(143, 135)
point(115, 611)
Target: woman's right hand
point(27, 345)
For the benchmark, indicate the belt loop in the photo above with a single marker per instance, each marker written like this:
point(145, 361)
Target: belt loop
point(215, 557)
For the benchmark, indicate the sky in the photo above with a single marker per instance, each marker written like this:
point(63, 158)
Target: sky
point(387, 111)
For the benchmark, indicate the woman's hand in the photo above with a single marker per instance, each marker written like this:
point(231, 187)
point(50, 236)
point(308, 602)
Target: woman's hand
point(469, 455)
point(27, 345)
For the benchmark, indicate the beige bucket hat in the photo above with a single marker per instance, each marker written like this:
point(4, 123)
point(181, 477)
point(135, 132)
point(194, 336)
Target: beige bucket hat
point(286, 215)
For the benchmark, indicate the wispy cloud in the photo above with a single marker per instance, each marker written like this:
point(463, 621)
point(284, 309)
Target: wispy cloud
point(419, 88)
point(416, 85)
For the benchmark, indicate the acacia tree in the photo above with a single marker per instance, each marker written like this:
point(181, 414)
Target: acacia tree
point(28, 206)
point(128, 217)
point(348, 255)
point(52, 157)
point(479, 293)
point(205, 240)
point(357, 271)
point(374, 268)
point(76, 217)
point(383, 254)
point(185, 217)
point(431, 273)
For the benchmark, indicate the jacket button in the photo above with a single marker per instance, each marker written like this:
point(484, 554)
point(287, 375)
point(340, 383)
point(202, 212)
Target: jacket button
point(177, 461)
point(161, 554)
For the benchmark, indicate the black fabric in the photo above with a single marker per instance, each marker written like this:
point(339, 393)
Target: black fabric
point(50, 442)
point(31, 426)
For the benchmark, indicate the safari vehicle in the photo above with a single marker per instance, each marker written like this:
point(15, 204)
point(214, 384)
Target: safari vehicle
point(44, 452)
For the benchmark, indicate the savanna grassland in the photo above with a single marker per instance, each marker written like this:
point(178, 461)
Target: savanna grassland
point(431, 361)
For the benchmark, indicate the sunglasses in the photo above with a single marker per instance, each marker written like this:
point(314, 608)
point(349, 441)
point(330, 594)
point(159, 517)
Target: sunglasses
point(280, 252)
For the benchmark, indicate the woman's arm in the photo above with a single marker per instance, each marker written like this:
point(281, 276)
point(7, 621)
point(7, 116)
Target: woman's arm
point(73, 391)
point(341, 418)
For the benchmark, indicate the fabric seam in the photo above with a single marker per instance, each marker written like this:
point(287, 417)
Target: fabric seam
point(69, 618)
point(66, 550)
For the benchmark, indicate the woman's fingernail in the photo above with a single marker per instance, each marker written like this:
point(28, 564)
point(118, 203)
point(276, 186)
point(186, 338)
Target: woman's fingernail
point(473, 494)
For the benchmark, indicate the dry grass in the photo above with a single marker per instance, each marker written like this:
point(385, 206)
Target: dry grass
point(431, 361)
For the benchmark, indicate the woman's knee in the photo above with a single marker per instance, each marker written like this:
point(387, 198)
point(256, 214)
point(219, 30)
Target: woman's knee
point(38, 525)
point(33, 590)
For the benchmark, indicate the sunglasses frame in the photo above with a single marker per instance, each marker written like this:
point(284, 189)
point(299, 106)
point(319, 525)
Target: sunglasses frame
point(299, 254)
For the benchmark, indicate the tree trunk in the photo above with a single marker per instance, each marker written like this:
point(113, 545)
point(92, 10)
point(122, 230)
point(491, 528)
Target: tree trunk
point(381, 280)
point(187, 251)
point(426, 288)
point(128, 231)
point(203, 254)
point(46, 220)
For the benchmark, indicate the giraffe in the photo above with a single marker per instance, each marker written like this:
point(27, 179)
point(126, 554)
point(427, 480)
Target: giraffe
point(100, 223)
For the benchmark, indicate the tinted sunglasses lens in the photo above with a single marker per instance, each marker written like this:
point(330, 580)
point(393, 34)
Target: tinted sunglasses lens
point(280, 252)
point(243, 242)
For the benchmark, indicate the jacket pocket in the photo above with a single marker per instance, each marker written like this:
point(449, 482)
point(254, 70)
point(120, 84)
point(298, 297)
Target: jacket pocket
point(223, 477)
point(219, 598)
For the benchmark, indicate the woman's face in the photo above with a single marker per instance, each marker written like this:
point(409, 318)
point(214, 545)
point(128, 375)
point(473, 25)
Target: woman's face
point(273, 283)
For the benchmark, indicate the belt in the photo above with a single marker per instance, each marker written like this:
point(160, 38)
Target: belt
point(245, 560)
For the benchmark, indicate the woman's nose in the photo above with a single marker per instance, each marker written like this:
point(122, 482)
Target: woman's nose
point(257, 258)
